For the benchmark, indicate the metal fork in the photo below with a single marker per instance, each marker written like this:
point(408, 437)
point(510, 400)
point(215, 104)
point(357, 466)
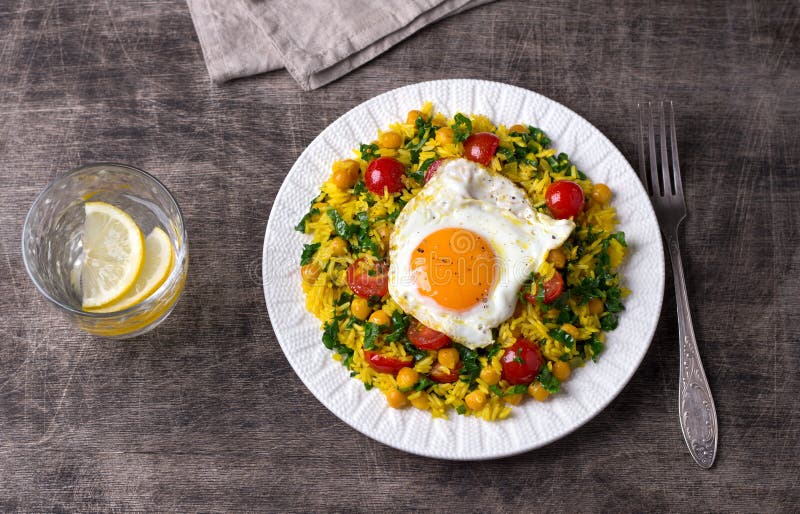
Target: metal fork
point(696, 409)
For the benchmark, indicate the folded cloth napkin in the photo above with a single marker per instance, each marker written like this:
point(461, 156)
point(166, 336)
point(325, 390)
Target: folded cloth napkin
point(317, 41)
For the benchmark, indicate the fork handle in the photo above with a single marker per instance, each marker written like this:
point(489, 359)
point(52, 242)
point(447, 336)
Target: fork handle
point(695, 404)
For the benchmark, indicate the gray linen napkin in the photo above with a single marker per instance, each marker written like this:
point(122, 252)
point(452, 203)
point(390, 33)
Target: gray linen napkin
point(317, 41)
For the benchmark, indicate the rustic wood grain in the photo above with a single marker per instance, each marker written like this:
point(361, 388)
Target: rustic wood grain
point(206, 414)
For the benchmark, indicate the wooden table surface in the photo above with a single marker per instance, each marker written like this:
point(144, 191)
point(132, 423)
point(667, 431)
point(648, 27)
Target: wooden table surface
point(205, 413)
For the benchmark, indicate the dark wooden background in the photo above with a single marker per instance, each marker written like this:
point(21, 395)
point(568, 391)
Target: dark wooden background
point(205, 413)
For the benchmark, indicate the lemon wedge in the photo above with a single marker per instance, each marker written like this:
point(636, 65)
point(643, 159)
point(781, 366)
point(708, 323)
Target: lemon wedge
point(158, 258)
point(113, 249)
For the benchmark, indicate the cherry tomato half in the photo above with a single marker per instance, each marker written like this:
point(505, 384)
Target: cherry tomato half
point(440, 373)
point(564, 199)
point(384, 172)
point(384, 363)
point(521, 362)
point(426, 338)
point(368, 277)
point(431, 171)
point(480, 147)
point(552, 289)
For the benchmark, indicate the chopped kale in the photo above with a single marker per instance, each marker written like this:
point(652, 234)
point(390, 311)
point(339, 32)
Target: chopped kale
point(540, 292)
point(588, 288)
point(565, 314)
point(528, 287)
point(425, 131)
point(398, 334)
point(352, 320)
point(344, 298)
point(517, 389)
point(413, 350)
point(301, 227)
point(609, 321)
point(399, 327)
point(539, 136)
point(548, 381)
point(620, 237)
point(613, 301)
point(365, 243)
point(418, 175)
point(471, 368)
point(494, 348)
point(508, 153)
point(462, 126)
point(426, 164)
point(330, 334)
point(604, 284)
point(360, 188)
point(368, 152)
point(391, 217)
point(596, 346)
point(339, 225)
point(371, 332)
point(330, 338)
point(423, 383)
point(308, 253)
point(563, 337)
point(591, 237)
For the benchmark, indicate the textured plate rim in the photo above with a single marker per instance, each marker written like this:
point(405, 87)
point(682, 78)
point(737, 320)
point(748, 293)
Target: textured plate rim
point(425, 450)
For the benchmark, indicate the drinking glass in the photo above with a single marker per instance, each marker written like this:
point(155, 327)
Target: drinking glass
point(52, 245)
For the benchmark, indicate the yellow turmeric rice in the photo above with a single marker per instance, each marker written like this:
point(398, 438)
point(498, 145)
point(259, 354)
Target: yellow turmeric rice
point(346, 222)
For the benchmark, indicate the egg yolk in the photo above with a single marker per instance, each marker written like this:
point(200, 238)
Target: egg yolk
point(454, 267)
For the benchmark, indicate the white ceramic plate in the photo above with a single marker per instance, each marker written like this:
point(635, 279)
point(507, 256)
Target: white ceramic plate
point(532, 424)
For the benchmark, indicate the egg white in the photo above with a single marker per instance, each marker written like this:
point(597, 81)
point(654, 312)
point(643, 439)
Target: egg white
point(465, 195)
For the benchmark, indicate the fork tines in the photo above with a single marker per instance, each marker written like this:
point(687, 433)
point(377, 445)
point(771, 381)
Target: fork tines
point(667, 180)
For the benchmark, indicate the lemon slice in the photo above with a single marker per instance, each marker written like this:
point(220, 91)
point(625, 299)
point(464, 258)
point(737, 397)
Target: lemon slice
point(158, 258)
point(113, 249)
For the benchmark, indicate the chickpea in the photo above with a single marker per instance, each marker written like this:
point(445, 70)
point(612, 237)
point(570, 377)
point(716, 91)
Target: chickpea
point(538, 392)
point(561, 370)
point(571, 329)
point(421, 402)
point(413, 115)
point(379, 318)
point(310, 272)
point(390, 139)
point(475, 400)
point(521, 129)
point(557, 257)
point(513, 399)
point(338, 247)
point(360, 308)
point(490, 376)
point(396, 399)
point(345, 173)
point(601, 194)
point(596, 306)
point(448, 357)
point(445, 136)
point(407, 378)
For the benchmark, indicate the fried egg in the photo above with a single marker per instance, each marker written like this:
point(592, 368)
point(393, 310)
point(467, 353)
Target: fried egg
point(462, 249)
